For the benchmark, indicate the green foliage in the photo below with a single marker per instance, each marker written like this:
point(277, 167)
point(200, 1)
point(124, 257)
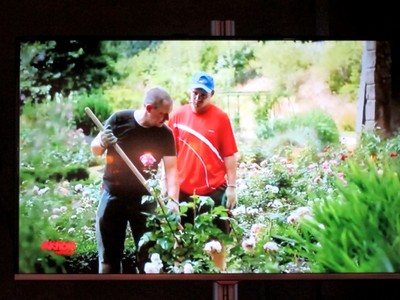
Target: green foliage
point(100, 106)
point(321, 122)
point(371, 144)
point(282, 59)
point(32, 234)
point(126, 49)
point(50, 146)
point(342, 61)
point(208, 56)
point(331, 211)
point(251, 152)
point(179, 247)
point(125, 69)
point(229, 63)
point(238, 60)
point(31, 54)
point(358, 231)
point(299, 138)
point(63, 66)
point(264, 104)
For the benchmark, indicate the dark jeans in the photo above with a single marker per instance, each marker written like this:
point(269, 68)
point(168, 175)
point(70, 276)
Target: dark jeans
point(113, 215)
point(218, 195)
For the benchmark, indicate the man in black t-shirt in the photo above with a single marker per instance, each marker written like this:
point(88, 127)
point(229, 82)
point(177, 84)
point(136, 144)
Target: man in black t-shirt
point(138, 132)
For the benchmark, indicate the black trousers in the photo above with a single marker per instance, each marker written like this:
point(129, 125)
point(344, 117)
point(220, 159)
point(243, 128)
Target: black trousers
point(113, 215)
point(219, 197)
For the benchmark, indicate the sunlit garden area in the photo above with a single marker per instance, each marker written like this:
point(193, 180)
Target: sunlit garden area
point(314, 195)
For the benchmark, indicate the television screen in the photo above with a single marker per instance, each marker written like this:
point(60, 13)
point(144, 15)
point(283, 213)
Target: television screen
point(317, 196)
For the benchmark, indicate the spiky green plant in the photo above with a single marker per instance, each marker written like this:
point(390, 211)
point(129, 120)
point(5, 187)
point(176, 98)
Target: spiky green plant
point(360, 230)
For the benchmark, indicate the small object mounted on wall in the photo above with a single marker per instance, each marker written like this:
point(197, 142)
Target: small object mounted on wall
point(223, 28)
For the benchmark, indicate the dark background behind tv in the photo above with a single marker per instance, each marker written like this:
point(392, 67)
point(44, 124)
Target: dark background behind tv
point(263, 19)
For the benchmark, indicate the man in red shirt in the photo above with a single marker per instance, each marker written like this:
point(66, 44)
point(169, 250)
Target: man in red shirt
point(206, 150)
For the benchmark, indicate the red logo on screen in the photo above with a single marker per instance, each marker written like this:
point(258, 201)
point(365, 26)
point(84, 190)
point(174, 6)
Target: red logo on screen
point(59, 247)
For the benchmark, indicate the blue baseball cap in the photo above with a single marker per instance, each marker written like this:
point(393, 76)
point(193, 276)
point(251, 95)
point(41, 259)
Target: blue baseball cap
point(202, 80)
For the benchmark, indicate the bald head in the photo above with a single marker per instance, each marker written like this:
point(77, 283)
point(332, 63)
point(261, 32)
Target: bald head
point(157, 97)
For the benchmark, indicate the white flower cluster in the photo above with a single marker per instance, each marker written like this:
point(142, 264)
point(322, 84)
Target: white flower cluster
point(187, 268)
point(155, 266)
point(240, 210)
point(213, 247)
point(38, 191)
point(271, 189)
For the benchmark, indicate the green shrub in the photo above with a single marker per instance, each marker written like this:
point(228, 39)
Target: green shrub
point(292, 139)
point(191, 240)
point(343, 63)
point(100, 106)
point(50, 146)
point(320, 121)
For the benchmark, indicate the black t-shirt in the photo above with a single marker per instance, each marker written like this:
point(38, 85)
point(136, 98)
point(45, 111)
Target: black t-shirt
point(135, 141)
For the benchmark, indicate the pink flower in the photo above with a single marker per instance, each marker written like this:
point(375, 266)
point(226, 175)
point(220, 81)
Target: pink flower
point(249, 244)
point(257, 229)
point(242, 165)
point(147, 159)
point(299, 213)
point(312, 166)
point(317, 180)
point(271, 246)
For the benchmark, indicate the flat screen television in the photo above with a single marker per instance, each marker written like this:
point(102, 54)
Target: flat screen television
point(316, 197)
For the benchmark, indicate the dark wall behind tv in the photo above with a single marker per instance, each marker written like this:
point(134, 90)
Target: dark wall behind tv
point(275, 19)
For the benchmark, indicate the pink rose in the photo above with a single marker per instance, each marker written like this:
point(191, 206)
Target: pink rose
point(147, 159)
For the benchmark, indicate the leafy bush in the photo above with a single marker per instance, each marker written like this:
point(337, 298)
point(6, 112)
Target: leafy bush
point(50, 146)
point(191, 240)
point(318, 120)
point(264, 104)
point(239, 60)
point(343, 63)
point(63, 66)
point(100, 106)
point(287, 142)
point(32, 234)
